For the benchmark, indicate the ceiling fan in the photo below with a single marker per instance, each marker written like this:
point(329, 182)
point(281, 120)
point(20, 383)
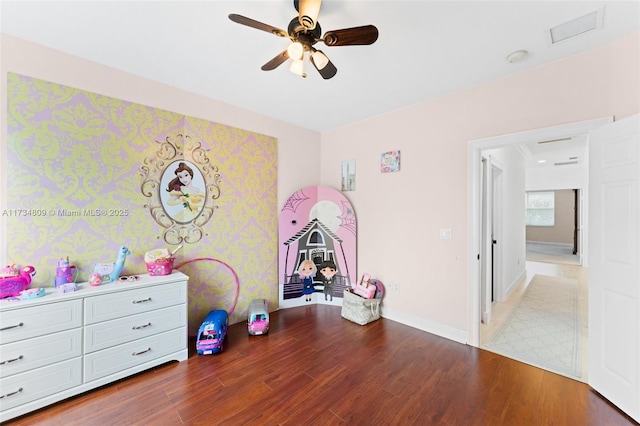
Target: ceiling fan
point(304, 32)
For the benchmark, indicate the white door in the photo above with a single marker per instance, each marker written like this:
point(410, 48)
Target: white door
point(485, 304)
point(614, 272)
point(487, 225)
point(491, 226)
point(496, 240)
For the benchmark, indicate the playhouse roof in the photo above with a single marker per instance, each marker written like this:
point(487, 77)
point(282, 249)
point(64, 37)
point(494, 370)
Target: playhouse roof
point(308, 226)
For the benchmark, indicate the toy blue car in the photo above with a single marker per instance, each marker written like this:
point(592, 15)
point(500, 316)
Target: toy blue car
point(212, 333)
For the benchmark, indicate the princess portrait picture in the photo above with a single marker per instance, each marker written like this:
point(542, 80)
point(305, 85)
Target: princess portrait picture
point(181, 191)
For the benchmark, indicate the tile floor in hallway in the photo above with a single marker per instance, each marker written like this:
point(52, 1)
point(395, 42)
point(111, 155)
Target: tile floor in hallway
point(500, 311)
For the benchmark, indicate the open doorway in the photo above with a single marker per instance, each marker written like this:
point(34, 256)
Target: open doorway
point(477, 239)
point(554, 226)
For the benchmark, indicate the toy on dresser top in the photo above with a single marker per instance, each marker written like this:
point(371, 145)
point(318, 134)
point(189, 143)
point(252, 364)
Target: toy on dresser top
point(110, 271)
point(160, 261)
point(65, 273)
point(12, 282)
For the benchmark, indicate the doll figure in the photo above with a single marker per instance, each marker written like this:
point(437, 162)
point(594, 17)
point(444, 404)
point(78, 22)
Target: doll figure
point(307, 270)
point(328, 272)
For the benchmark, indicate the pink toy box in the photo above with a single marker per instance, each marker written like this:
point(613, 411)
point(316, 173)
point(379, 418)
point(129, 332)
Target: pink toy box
point(160, 261)
point(160, 267)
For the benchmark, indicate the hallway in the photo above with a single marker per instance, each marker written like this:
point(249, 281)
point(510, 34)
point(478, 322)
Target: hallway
point(501, 310)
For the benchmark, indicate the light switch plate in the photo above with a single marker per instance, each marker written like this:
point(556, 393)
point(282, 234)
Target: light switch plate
point(445, 234)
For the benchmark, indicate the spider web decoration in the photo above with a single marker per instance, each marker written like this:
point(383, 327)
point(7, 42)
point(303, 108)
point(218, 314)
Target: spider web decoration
point(295, 201)
point(348, 218)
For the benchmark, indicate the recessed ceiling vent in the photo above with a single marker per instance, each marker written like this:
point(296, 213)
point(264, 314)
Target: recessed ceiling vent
point(555, 140)
point(589, 22)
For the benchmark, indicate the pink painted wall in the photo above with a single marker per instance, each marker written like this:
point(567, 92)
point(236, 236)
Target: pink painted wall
point(400, 214)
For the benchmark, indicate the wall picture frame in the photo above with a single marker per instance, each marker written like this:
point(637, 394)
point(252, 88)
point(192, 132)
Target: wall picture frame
point(390, 161)
point(348, 177)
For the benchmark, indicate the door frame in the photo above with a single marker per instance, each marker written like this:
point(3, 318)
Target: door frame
point(491, 275)
point(474, 195)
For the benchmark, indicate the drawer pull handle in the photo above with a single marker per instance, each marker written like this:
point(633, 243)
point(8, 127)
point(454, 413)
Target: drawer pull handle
point(12, 326)
point(148, 299)
point(11, 360)
point(141, 352)
point(9, 394)
point(138, 327)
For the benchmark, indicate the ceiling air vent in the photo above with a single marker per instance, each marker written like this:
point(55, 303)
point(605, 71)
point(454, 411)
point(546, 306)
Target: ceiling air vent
point(555, 140)
point(565, 163)
point(589, 22)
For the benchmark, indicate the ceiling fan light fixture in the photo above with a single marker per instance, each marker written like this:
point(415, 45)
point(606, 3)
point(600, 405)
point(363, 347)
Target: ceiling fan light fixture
point(319, 59)
point(308, 13)
point(297, 67)
point(295, 50)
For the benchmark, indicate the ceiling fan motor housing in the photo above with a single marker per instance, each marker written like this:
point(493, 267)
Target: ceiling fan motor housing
point(303, 35)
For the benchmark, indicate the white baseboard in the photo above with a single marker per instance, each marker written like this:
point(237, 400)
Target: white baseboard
point(549, 243)
point(460, 336)
point(514, 284)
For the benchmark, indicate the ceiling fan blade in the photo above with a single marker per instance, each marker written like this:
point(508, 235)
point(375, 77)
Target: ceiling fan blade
point(328, 71)
point(366, 34)
point(276, 62)
point(239, 19)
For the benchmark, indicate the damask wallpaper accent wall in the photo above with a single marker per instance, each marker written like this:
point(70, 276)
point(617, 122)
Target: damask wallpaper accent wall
point(85, 172)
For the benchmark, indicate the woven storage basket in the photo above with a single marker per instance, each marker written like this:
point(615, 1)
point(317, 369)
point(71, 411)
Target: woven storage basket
point(360, 310)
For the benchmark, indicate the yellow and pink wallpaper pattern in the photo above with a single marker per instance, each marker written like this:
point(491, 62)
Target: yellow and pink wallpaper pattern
point(74, 188)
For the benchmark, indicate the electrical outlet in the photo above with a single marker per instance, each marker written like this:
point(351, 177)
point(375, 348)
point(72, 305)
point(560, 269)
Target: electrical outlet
point(445, 234)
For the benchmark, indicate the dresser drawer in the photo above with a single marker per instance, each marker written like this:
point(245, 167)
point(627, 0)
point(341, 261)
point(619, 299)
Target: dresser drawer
point(121, 330)
point(116, 305)
point(19, 324)
point(116, 359)
point(39, 383)
point(37, 352)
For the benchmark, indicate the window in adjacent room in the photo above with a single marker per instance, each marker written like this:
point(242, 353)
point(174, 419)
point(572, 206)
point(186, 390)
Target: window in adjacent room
point(540, 208)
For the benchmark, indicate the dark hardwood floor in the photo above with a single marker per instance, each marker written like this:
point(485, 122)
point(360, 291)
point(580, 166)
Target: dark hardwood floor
point(315, 368)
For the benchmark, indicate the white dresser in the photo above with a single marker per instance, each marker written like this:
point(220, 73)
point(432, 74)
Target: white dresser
point(60, 345)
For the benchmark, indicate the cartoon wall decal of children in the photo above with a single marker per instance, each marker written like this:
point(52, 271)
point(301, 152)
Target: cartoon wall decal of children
point(328, 272)
point(307, 270)
point(183, 191)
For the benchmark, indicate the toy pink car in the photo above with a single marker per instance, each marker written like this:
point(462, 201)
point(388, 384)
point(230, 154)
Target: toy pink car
point(258, 317)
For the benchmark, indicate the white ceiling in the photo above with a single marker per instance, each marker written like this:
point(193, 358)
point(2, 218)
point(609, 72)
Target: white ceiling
point(556, 152)
point(425, 49)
